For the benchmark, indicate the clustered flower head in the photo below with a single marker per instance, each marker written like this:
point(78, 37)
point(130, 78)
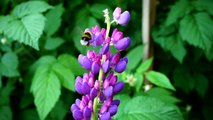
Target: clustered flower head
point(97, 92)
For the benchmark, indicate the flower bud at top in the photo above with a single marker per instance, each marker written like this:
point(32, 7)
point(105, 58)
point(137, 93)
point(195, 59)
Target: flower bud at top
point(117, 13)
point(124, 18)
point(121, 18)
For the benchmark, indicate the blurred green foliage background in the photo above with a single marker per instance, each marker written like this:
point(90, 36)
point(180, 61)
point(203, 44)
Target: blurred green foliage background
point(40, 45)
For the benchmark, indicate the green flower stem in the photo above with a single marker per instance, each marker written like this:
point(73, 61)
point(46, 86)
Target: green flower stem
point(96, 100)
point(101, 72)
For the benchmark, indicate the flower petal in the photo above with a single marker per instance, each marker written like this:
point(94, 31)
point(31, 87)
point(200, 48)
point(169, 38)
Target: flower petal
point(124, 18)
point(77, 115)
point(113, 110)
point(118, 87)
point(95, 67)
point(120, 66)
point(108, 91)
point(123, 43)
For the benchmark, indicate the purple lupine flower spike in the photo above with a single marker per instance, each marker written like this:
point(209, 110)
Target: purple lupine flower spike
point(105, 64)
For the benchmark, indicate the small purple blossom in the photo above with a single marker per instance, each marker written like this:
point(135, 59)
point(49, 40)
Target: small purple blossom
point(101, 84)
point(121, 18)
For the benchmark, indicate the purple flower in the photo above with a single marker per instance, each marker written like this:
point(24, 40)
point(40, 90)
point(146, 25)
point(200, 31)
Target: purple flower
point(116, 35)
point(105, 64)
point(84, 62)
point(122, 44)
point(120, 66)
point(121, 18)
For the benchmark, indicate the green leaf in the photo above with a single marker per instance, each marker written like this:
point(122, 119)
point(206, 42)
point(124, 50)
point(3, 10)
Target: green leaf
point(53, 43)
point(4, 20)
point(44, 60)
point(172, 43)
point(65, 75)
point(144, 66)
point(209, 54)
point(30, 7)
point(27, 30)
point(206, 5)
point(29, 114)
point(181, 75)
point(5, 93)
point(5, 113)
point(46, 90)
point(97, 8)
point(148, 108)
point(134, 57)
point(162, 94)
point(123, 101)
point(159, 79)
point(72, 63)
point(92, 22)
point(9, 65)
point(53, 19)
point(59, 111)
point(181, 8)
point(139, 81)
point(196, 30)
point(201, 84)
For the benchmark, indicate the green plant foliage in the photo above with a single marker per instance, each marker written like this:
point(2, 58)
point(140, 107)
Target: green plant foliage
point(147, 108)
point(9, 64)
point(174, 44)
point(71, 63)
point(53, 21)
point(134, 57)
point(40, 44)
point(30, 7)
point(29, 29)
point(177, 11)
point(123, 100)
point(53, 43)
point(206, 5)
point(47, 82)
point(159, 79)
point(162, 94)
point(144, 66)
point(139, 81)
point(46, 90)
point(196, 30)
point(5, 113)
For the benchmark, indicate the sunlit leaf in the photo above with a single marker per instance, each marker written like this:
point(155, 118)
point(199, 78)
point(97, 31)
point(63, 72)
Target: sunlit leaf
point(148, 108)
point(65, 75)
point(27, 30)
point(30, 7)
point(134, 57)
point(159, 79)
point(139, 81)
point(71, 63)
point(144, 66)
point(163, 94)
point(46, 90)
point(123, 101)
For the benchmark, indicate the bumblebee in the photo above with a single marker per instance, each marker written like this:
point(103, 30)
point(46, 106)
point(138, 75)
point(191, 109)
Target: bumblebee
point(86, 37)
